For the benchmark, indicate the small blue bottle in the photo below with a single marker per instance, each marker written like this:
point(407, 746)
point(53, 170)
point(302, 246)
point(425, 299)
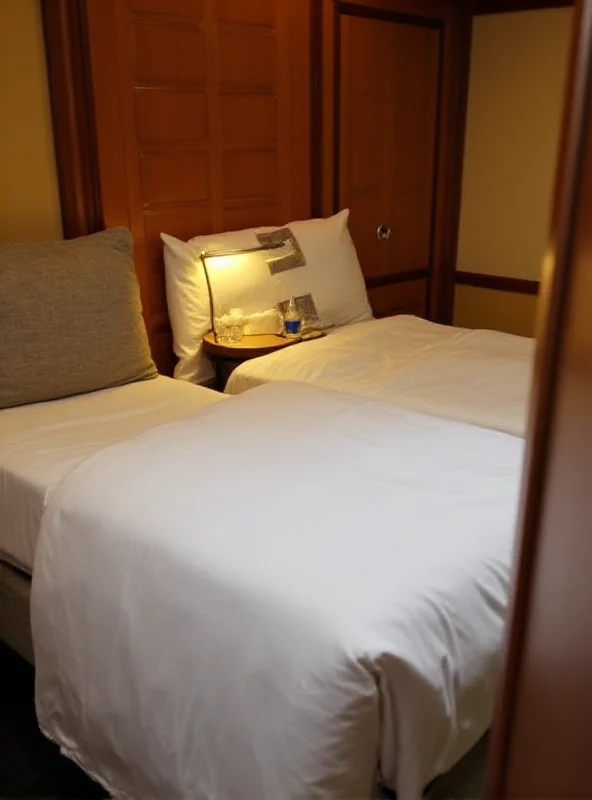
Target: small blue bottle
point(292, 321)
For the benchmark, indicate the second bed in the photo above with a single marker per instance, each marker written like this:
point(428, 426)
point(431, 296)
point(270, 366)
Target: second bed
point(477, 376)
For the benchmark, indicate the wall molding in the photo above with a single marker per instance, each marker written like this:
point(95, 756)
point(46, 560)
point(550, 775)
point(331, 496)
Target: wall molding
point(388, 15)
point(501, 6)
point(497, 282)
point(397, 277)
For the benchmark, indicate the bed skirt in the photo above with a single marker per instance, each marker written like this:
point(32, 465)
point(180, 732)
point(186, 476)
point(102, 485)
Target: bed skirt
point(15, 617)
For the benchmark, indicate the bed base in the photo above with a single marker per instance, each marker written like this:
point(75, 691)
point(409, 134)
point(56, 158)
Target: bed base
point(15, 615)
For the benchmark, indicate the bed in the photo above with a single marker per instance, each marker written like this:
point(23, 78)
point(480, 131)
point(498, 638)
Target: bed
point(478, 376)
point(482, 376)
point(290, 594)
point(294, 592)
point(40, 444)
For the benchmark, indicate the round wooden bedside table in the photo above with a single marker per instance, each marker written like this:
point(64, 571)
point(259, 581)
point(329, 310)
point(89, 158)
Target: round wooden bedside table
point(226, 356)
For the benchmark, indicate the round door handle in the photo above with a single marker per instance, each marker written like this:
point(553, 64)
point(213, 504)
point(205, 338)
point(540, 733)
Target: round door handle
point(382, 233)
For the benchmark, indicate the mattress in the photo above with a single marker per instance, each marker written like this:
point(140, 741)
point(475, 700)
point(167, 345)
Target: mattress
point(43, 442)
point(477, 376)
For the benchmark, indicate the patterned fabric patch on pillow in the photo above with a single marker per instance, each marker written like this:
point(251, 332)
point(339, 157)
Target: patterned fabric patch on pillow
point(290, 259)
point(306, 308)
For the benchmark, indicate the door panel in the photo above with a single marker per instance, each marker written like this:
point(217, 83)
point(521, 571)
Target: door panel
point(408, 297)
point(389, 81)
point(202, 113)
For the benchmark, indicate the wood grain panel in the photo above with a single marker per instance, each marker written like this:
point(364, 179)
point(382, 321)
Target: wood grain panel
point(250, 173)
point(170, 116)
point(399, 298)
point(259, 12)
point(168, 52)
point(246, 119)
point(179, 222)
point(452, 21)
point(213, 101)
point(250, 58)
point(105, 71)
point(174, 177)
point(389, 91)
point(235, 218)
point(191, 9)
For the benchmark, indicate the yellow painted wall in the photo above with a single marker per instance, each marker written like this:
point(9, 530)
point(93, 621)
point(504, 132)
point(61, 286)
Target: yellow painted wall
point(475, 307)
point(516, 94)
point(29, 201)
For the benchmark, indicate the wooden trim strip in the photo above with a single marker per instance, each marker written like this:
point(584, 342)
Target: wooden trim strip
point(457, 43)
point(501, 6)
point(70, 86)
point(316, 101)
point(335, 156)
point(439, 151)
point(354, 10)
point(396, 277)
point(497, 282)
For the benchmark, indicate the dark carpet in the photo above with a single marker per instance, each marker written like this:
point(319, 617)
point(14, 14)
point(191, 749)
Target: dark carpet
point(31, 767)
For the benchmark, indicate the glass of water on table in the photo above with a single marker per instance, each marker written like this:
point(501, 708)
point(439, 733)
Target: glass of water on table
point(230, 327)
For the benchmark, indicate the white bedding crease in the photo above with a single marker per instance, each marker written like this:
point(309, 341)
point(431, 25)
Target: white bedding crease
point(285, 597)
point(476, 376)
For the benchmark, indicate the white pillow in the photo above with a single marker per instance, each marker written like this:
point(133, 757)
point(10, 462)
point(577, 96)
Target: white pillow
point(331, 275)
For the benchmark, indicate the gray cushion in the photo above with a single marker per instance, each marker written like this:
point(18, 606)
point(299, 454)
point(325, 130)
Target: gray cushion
point(70, 318)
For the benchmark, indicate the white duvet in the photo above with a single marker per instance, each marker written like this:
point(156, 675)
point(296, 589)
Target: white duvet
point(476, 376)
point(279, 598)
point(41, 442)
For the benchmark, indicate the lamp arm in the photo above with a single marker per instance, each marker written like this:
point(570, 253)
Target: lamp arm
point(260, 248)
point(203, 256)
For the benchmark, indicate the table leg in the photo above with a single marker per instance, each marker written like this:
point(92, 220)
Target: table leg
point(220, 374)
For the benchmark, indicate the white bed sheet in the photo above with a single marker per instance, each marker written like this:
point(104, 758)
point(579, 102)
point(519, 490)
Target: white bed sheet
point(41, 443)
point(326, 599)
point(478, 376)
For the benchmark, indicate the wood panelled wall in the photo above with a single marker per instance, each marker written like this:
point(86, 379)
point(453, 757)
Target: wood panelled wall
point(193, 116)
point(202, 114)
point(197, 116)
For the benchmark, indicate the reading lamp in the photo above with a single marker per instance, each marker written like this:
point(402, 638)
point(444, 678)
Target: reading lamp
point(239, 251)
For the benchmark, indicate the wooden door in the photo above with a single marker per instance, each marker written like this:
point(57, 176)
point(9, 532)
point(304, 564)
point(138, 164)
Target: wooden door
point(202, 111)
point(389, 86)
point(542, 744)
